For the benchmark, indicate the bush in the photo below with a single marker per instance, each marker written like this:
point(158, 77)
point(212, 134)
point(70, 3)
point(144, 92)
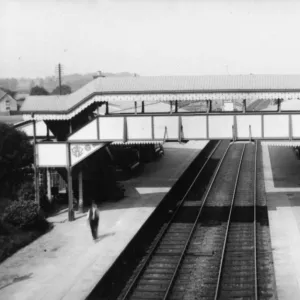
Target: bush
point(26, 191)
point(24, 215)
point(16, 158)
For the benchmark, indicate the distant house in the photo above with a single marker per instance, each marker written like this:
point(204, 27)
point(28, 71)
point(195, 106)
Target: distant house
point(20, 98)
point(7, 103)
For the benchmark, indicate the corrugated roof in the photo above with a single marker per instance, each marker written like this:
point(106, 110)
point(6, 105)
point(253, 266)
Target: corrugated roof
point(163, 84)
point(11, 119)
point(45, 103)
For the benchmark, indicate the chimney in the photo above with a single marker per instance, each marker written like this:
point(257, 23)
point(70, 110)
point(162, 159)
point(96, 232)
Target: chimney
point(99, 74)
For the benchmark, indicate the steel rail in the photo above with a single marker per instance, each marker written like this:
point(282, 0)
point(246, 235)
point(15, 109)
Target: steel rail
point(150, 254)
point(254, 225)
point(212, 181)
point(228, 225)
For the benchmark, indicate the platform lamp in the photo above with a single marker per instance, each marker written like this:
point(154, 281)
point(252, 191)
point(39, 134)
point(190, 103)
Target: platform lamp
point(36, 181)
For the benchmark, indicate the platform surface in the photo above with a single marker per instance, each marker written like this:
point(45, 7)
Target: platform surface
point(282, 182)
point(66, 263)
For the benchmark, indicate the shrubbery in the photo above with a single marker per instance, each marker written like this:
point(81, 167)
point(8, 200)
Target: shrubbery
point(24, 215)
point(16, 159)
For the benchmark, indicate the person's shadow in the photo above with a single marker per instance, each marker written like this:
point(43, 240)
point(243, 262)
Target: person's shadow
point(103, 236)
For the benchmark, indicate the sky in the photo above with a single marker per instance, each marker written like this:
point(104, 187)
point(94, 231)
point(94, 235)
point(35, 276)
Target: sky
point(149, 37)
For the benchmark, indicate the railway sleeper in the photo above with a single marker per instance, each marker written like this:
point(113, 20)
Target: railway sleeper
point(164, 259)
point(241, 280)
point(210, 293)
point(159, 271)
point(238, 260)
point(236, 286)
point(162, 265)
point(238, 268)
point(240, 242)
point(151, 287)
point(156, 276)
point(176, 241)
point(240, 252)
point(171, 246)
point(154, 281)
point(236, 294)
point(139, 295)
point(200, 253)
point(179, 228)
point(168, 252)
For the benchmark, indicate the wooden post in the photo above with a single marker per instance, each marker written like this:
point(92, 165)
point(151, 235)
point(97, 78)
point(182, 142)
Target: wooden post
point(49, 185)
point(207, 128)
point(135, 107)
point(152, 127)
point(36, 170)
point(235, 127)
point(290, 128)
point(125, 130)
point(233, 135)
point(279, 105)
point(107, 109)
point(180, 131)
point(176, 106)
point(143, 107)
point(80, 191)
point(244, 106)
point(70, 185)
point(208, 106)
point(98, 123)
point(171, 107)
point(262, 127)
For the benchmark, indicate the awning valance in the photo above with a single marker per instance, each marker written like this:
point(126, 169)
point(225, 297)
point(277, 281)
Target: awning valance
point(161, 98)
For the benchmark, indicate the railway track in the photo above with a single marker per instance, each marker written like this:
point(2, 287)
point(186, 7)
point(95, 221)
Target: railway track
point(207, 250)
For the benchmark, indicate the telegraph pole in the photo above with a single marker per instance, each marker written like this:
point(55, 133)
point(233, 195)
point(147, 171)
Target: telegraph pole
point(59, 77)
point(59, 70)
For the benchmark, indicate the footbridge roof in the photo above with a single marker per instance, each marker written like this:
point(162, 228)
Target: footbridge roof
point(158, 88)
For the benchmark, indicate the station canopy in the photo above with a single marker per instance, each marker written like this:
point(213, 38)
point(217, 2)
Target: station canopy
point(160, 89)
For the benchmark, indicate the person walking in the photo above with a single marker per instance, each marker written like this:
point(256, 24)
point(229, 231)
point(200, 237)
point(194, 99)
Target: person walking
point(93, 218)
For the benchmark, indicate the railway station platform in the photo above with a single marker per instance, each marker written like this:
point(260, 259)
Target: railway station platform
point(282, 183)
point(66, 263)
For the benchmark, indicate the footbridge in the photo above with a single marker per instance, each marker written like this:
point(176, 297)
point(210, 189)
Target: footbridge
point(133, 110)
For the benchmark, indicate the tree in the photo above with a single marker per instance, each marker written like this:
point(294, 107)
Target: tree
point(65, 90)
point(37, 90)
point(16, 158)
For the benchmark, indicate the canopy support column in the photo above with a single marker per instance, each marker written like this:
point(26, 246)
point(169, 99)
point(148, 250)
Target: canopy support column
point(36, 170)
point(107, 109)
point(143, 107)
point(80, 192)
point(208, 106)
point(279, 105)
point(48, 184)
point(70, 185)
